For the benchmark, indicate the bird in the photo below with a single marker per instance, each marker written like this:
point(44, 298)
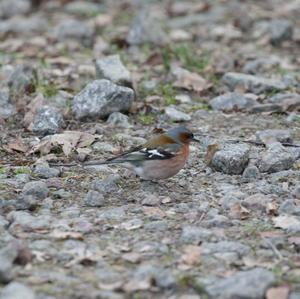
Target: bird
point(161, 157)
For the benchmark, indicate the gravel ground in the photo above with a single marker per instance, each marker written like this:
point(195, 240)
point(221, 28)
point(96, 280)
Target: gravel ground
point(84, 80)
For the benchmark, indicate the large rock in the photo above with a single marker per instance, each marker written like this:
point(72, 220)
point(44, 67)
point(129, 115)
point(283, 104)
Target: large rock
point(47, 120)
point(280, 31)
point(24, 25)
point(73, 29)
point(278, 135)
point(112, 68)
point(176, 115)
point(145, 29)
point(7, 256)
point(231, 101)
point(252, 83)
point(37, 189)
point(101, 98)
point(232, 159)
point(9, 8)
point(22, 80)
point(250, 284)
point(261, 65)
point(17, 290)
point(276, 158)
point(6, 108)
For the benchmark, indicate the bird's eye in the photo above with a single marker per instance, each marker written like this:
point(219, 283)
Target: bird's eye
point(191, 135)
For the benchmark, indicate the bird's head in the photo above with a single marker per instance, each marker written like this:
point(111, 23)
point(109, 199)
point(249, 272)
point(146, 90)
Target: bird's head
point(181, 135)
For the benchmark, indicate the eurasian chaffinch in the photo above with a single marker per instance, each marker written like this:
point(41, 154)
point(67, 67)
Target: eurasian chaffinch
point(159, 158)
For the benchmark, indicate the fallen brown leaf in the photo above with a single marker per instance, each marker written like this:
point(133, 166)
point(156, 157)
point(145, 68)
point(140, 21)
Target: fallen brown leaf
point(68, 141)
point(16, 145)
point(211, 150)
point(272, 208)
point(239, 212)
point(189, 80)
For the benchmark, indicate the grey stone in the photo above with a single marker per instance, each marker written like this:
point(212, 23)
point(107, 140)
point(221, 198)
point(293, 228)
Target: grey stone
point(150, 199)
point(112, 214)
point(145, 29)
point(103, 147)
point(9, 8)
point(280, 31)
point(294, 295)
point(26, 202)
point(43, 171)
point(261, 65)
point(47, 120)
point(109, 184)
point(7, 256)
point(176, 115)
point(251, 172)
point(6, 108)
point(17, 290)
point(162, 277)
point(74, 29)
point(37, 189)
point(288, 207)
point(94, 199)
point(112, 68)
point(22, 178)
point(218, 221)
point(195, 234)
point(252, 83)
point(251, 284)
point(24, 25)
point(282, 97)
point(28, 222)
point(62, 193)
point(82, 8)
point(278, 135)
point(101, 98)
point(296, 191)
point(276, 158)
point(232, 159)
point(157, 226)
point(3, 222)
point(22, 80)
point(117, 119)
point(257, 202)
point(231, 101)
point(225, 246)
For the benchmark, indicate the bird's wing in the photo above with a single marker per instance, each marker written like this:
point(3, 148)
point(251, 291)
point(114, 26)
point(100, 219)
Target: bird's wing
point(160, 147)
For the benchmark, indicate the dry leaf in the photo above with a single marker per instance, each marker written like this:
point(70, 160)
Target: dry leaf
point(278, 293)
point(211, 150)
point(189, 80)
point(63, 235)
point(288, 222)
point(16, 145)
point(272, 208)
point(191, 255)
point(68, 141)
point(239, 212)
point(33, 106)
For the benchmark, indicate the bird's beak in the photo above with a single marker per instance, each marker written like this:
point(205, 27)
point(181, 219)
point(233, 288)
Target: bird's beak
point(195, 140)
